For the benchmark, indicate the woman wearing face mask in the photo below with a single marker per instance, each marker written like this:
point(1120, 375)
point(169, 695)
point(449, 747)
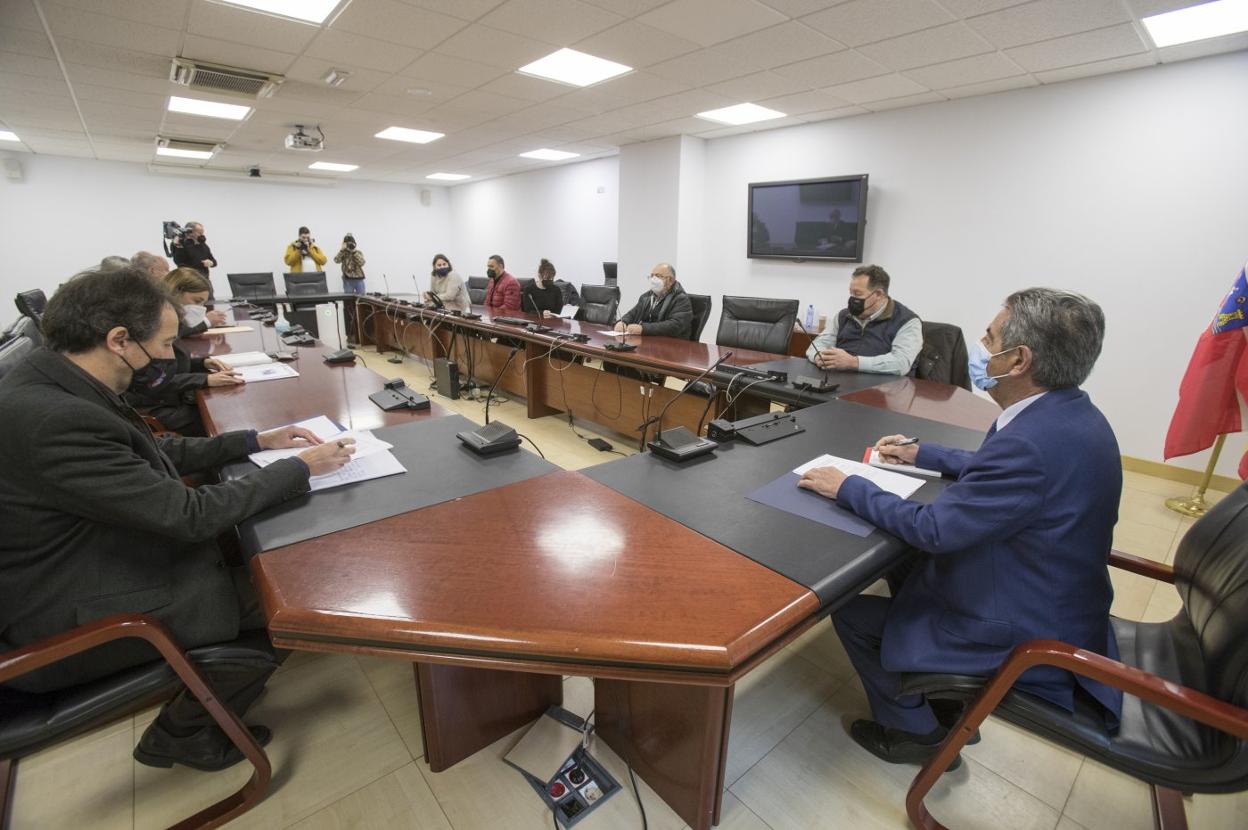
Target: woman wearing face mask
point(447, 286)
point(165, 389)
point(543, 296)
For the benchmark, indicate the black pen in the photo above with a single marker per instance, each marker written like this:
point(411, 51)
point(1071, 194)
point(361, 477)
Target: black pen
point(905, 442)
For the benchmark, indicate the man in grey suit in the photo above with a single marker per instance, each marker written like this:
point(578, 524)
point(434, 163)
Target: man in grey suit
point(97, 519)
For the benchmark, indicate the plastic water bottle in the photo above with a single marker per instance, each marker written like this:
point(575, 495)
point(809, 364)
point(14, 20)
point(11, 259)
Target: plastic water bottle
point(282, 325)
point(810, 317)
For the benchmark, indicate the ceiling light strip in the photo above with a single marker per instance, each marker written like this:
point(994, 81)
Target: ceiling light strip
point(47, 30)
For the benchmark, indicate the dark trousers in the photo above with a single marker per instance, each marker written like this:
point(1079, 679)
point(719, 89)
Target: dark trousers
point(860, 625)
point(236, 679)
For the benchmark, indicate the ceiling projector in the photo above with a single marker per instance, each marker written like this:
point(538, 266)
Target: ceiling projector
point(299, 140)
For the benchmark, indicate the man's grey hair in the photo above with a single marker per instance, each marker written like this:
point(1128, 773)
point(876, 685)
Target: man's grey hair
point(154, 264)
point(114, 263)
point(669, 268)
point(1064, 331)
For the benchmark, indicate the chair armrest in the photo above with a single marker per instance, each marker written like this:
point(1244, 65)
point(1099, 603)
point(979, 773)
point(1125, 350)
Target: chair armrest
point(1142, 566)
point(141, 626)
point(1189, 702)
point(1186, 701)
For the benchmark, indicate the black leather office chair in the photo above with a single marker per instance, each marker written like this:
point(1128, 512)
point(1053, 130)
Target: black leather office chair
point(13, 352)
point(252, 285)
point(701, 313)
point(943, 357)
point(27, 327)
point(758, 323)
point(308, 282)
point(1185, 707)
point(476, 289)
point(610, 273)
point(525, 282)
point(32, 303)
point(30, 722)
point(599, 303)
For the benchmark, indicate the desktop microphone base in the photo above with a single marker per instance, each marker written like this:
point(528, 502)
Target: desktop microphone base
point(679, 444)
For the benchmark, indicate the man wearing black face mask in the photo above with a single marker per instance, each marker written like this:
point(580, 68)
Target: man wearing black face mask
point(98, 521)
point(873, 333)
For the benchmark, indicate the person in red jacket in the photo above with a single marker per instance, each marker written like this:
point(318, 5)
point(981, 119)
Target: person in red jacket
point(503, 294)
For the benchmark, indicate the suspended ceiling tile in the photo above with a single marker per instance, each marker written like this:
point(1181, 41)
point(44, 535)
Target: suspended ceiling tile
point(1047, 19)
point(712, 21)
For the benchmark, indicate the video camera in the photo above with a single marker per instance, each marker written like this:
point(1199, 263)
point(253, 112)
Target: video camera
point(172, 232)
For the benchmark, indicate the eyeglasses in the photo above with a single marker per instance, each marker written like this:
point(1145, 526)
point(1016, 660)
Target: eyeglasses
point(658, 276)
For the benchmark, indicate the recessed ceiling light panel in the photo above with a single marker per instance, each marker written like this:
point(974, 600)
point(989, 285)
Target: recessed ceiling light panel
point(739, 114)
point(413, 136)
point(183, 154)
point(568, 66)
point(307, 11)
point(448, 177)
point(334, 166)
point(208, 109)
point(8, 135)
point(549, 155)
point(1221, 17)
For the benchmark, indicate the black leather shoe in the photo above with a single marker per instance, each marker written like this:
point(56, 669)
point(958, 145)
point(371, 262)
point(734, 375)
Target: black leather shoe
point(207, 749)
point(948, 712)
point(894, 745)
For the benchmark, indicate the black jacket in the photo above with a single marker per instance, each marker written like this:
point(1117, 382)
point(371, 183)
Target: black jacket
point(97, 520)
point(549, 298)
point(669, 316)
point(192, 253)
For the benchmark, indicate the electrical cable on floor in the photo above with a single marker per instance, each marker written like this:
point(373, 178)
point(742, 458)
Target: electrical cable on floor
point(535, 446)
point(637, 795)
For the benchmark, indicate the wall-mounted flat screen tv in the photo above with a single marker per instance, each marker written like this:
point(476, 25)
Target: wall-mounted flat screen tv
point(815, 219)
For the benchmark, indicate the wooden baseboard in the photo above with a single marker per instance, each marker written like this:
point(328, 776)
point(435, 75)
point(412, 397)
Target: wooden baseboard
point(1169, 472)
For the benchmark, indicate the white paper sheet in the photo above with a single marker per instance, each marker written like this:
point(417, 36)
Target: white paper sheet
point(568, 311)
point(895, 483)
point(365, 444)
point(240, 359)
point(875, 461)
point(228, 330)
point(271, 371)
point(377, 465)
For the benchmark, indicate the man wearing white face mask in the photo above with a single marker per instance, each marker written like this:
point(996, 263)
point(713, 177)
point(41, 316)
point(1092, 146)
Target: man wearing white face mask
point(1016, 548)
point(873, 333)
point(663, 311)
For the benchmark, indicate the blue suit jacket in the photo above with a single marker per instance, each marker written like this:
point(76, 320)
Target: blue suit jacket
point(1019, 544)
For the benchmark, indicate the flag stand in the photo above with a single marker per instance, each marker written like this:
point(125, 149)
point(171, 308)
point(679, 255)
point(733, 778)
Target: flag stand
point(1195, 505)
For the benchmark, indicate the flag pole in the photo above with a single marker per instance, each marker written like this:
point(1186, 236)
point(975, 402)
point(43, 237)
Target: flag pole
point(1195, 504)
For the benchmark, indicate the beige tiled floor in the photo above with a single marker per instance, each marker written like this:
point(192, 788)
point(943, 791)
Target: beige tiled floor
point(347, 743)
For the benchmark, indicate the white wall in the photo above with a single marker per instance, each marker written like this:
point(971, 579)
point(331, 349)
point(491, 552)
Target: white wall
point(1128, 187)
point(568, 214)
point(68, 213)
point(649, 218)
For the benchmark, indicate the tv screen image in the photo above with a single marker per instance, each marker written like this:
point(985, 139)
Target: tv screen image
point(819, 219)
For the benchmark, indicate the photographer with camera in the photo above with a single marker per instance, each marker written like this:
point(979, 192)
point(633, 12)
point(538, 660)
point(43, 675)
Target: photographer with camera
point(304, 247)
point(351, 258)
point(190, 248)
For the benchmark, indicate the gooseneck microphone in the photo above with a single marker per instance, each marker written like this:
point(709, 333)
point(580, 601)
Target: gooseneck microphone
point(680, 444)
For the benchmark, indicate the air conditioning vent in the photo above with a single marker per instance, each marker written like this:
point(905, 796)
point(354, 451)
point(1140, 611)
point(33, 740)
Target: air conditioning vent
point(223, 79)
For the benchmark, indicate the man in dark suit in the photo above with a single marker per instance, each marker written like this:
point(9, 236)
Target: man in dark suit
point(1015, 550)
point(97, 519)
point(663, 311)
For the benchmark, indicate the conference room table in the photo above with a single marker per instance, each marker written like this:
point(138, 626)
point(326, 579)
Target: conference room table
point(551, 371)
point(497, 576)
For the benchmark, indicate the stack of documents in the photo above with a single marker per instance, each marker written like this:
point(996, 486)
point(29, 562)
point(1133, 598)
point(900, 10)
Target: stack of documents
point(257, 366)
point(890, 482)
point(372, 458)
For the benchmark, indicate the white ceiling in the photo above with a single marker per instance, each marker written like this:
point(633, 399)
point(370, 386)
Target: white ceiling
point(90, 77)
